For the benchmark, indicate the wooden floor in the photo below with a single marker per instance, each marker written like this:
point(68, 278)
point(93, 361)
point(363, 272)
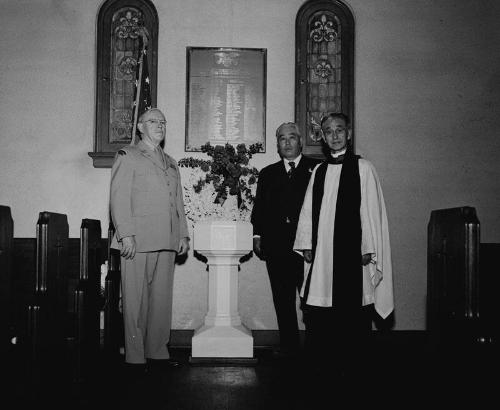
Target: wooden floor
point(400, 378)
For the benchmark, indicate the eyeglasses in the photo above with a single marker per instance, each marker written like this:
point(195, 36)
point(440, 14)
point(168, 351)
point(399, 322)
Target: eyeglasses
point(336, 131)
point(163, 123)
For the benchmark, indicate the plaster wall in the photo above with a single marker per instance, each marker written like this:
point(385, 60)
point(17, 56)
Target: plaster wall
point(426, 101)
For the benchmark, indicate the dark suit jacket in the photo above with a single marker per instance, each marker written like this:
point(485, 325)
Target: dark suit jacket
point(278, 202)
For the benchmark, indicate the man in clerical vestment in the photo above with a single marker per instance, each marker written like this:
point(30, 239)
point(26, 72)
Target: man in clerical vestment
point(343, 235)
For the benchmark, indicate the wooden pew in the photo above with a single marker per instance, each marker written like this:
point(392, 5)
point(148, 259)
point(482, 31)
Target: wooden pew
point(47, 312)
point(460, 282)
point(87, 300)
point(51, 298)
point(452, 268)
point(6, 311)
point(113, 319)
point(489, 283)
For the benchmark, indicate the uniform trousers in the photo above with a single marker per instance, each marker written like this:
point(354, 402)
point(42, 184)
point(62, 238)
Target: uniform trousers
point(147, 290)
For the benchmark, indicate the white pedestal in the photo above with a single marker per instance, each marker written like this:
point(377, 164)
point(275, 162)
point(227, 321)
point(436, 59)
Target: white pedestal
point(223, 335)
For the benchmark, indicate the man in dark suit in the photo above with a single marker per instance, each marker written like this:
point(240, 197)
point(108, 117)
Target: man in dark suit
point(280, 193)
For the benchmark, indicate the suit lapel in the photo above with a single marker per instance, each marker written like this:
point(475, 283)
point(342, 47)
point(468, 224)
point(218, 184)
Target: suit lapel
point(305, 167)
point(282, 175)
point(302, 164)
point(299, 170)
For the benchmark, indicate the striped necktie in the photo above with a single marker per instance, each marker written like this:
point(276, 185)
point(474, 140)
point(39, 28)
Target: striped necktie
point(291, 164)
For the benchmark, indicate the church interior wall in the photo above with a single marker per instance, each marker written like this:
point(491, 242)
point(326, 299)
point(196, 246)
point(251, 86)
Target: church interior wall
point(427, 91)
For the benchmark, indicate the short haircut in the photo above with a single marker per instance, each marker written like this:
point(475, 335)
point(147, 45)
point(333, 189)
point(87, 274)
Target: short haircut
point(324, 146)
point(141, 117)
point(287, 124)
point(334, 115)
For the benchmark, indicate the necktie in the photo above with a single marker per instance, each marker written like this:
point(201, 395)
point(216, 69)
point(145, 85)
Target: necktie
point(159, 155)
point(292, 167)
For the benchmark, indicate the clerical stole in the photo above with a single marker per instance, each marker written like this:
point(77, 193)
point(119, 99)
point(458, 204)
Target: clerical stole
point(347, 282)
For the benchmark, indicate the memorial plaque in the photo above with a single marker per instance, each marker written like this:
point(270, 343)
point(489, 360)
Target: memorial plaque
point(225, 96)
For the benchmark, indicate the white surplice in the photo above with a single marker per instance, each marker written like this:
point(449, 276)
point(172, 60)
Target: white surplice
point(377, 275)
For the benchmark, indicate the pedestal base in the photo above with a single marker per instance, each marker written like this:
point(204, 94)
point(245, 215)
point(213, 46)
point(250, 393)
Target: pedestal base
point(222, 342)
point(222, 336)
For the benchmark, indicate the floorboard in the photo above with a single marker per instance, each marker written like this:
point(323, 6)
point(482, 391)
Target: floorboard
point(399, 376)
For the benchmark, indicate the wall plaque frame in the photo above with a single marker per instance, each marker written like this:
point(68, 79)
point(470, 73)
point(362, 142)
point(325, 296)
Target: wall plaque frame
point(225, 96)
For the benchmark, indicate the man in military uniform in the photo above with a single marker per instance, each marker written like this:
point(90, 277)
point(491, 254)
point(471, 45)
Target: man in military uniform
point(147, 210)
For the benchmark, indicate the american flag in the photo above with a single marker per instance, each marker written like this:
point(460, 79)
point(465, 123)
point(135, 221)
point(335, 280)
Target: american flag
point(142, 91)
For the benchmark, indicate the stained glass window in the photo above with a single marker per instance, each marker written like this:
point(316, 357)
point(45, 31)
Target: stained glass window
point(324, 82)
point(120, 29)
point(125, 49)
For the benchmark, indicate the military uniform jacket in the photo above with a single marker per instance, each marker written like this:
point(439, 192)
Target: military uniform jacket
point(146, 199)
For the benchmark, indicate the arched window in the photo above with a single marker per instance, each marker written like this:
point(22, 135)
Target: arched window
point(324, 67)
point(119, 43)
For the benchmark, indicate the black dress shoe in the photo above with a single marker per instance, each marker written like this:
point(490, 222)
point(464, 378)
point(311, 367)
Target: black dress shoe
point(157, 364)
point(173, 363)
